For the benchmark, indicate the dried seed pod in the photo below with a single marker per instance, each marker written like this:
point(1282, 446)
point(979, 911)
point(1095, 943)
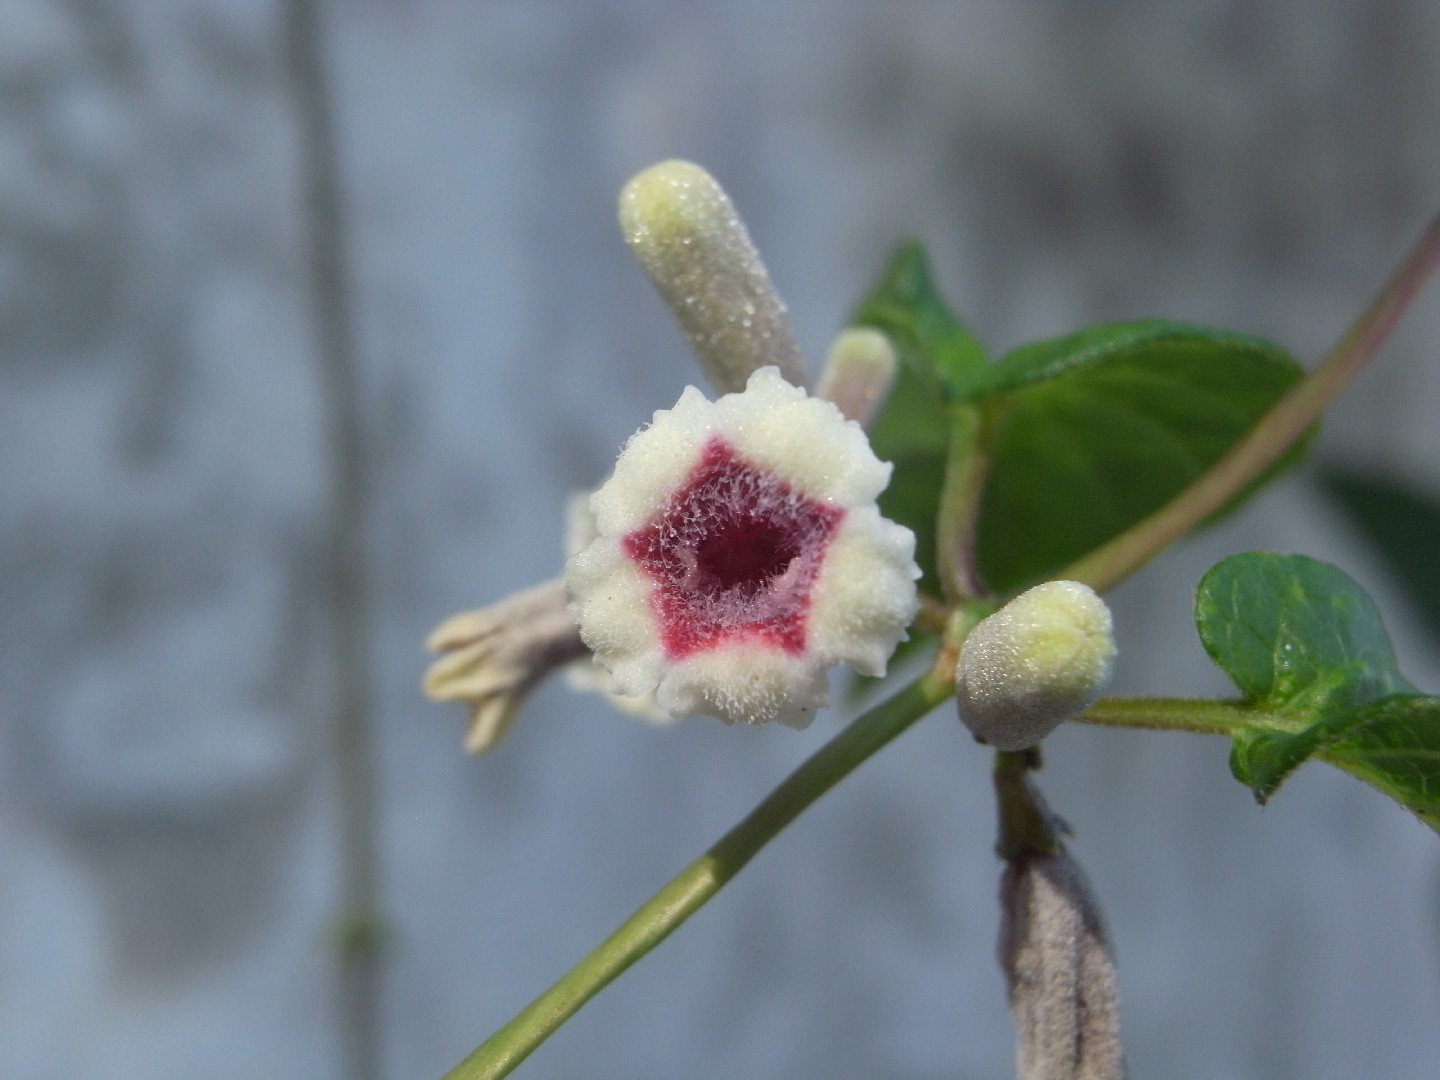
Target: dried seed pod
point(1057, 961)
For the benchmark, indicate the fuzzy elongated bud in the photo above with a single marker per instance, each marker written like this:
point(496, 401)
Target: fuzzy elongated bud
point(859, 371)
point(1061, 974)
point(1042, 659)
point(689, 239)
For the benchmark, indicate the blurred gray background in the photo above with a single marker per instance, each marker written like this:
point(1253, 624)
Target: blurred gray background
point(171, 865)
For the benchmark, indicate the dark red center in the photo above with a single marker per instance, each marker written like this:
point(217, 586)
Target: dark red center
point(733, 556)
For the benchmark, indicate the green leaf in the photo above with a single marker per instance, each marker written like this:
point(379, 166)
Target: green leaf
point(933, 344)
point(1097, 430)
point(935, 352)
point(1394, 745)
point(1402, 524)
point(1309, 653)
point(1148, 340)
point(1298, 636)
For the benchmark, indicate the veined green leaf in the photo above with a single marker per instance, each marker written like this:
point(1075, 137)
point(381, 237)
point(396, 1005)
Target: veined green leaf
point(933, 344)
point(1298, 636)
point(1394, 745)
point(1148, 340)
point(1099, 429)
point(1307, 649)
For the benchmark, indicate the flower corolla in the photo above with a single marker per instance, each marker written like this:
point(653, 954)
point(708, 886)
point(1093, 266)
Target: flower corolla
point(740, 554)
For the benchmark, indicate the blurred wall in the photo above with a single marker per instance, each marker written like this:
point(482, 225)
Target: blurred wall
point(169, 862)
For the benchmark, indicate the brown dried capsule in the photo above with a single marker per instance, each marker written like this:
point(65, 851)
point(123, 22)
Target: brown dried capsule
point(1057, 961)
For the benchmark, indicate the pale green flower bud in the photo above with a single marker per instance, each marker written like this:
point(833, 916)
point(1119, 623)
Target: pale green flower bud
point(690, 240)
point(859, 371)
point(1043, 658)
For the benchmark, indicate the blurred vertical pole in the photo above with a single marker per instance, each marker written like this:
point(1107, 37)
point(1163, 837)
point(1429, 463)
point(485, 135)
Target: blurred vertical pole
point(345, 531)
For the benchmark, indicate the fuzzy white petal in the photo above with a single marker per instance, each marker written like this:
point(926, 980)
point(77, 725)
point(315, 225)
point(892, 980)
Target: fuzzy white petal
point(803, 440)
point(607, 591)
point(653, 463)
point(744, 684)
point(865, 595)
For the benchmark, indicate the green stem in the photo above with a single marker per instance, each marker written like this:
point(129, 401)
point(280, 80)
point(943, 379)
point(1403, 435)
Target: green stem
point(1201, 715)
point(688, 891)
point(1027, 827)
point(346, 529)
point(1273, 434)
point(966, 465)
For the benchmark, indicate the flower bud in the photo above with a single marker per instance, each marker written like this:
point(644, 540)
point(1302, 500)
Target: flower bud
point(689, 239)
point(1043, 658)
point(859, 371)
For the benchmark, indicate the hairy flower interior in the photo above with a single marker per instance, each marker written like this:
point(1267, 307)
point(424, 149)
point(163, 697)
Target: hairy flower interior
point(733, 556)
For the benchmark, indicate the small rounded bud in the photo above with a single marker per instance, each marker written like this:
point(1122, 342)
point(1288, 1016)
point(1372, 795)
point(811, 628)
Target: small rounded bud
point(859, 371)
point(1043, 658)
point(689, 239)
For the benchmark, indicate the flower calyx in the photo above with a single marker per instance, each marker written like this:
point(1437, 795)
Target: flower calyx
point(496, 655)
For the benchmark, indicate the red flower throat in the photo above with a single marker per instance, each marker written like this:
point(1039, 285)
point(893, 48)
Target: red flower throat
point(733, 555)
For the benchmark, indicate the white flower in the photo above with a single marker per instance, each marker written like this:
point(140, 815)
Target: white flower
point(739, 554)
point(1042, 659)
